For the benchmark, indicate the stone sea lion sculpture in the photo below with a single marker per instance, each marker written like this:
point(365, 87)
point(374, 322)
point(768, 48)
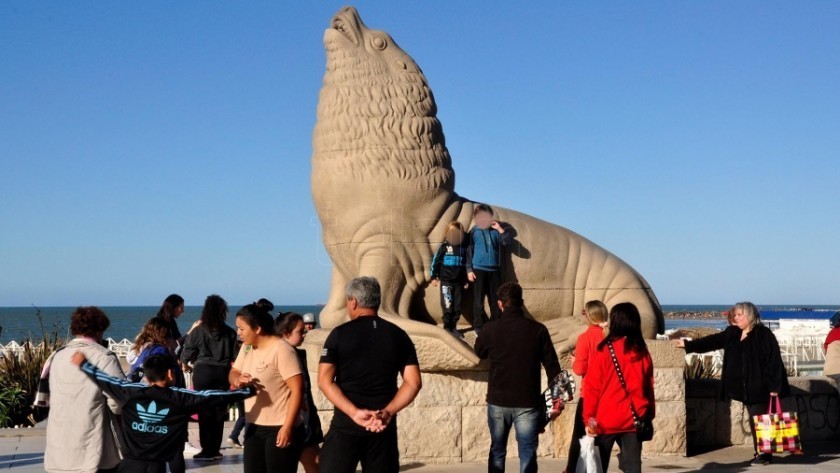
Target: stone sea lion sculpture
point(384, 189)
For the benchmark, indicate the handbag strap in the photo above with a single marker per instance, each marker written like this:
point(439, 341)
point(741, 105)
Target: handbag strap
point(621, 378)
point(778, 405)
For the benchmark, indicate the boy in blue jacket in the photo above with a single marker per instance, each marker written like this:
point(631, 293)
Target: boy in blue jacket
point(484, 258)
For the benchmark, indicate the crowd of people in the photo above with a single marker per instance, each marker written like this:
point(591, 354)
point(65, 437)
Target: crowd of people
point(140, 423)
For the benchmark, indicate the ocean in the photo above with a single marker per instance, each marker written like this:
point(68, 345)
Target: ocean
point(19, 323)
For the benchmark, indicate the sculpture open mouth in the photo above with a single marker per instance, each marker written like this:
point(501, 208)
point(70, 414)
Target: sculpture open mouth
point(346, 23)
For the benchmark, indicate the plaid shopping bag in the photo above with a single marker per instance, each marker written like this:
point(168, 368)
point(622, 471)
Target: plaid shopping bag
point(777, 432)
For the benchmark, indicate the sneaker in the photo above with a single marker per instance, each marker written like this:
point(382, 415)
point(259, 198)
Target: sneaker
point(762, 459)
point(206, 457)
point(455, 333)
point(189, 449)
point(234, 443)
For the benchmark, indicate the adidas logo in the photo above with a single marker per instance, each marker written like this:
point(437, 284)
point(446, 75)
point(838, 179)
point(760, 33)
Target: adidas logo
point(150, 416)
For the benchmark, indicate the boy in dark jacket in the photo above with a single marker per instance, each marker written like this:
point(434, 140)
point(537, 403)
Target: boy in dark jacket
point(449, 270)
point(154, 416)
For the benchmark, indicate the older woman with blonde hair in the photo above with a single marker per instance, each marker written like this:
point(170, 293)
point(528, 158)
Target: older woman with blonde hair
point(753, 371)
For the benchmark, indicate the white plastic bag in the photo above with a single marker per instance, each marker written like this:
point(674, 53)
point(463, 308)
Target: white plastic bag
point(590, 458)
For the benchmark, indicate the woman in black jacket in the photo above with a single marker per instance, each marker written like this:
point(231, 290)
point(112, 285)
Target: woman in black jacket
point(210, 347)
point(753, 370)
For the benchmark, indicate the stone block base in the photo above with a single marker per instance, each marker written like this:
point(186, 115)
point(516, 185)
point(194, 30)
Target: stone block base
point(447, 422)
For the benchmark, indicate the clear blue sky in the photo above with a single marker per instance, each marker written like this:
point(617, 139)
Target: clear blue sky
point(156, 147)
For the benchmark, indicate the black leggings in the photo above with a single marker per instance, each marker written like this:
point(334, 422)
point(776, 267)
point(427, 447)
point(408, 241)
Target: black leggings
point(578, 431)
point(262, 453)
point(211, 422)
point(630, 456)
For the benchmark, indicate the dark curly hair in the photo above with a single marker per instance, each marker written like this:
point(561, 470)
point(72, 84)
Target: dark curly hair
point(88, 321)
point(214, 313)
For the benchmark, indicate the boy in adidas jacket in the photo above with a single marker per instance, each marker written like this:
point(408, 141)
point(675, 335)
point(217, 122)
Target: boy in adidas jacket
point(154, 416)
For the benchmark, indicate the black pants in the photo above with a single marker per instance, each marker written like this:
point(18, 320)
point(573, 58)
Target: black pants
point(754, 410)
point(630, 456)
point(450, 302)
point(578, 431)
point(262, 453)
point(378, 453)
point(211, 422)
point(139, 466)
point(486, 284)
point(177, 464)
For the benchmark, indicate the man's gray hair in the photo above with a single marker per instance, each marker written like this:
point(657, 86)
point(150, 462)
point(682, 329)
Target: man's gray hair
point(365, 290)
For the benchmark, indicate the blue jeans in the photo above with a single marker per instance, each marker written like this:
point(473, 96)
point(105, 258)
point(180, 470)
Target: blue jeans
point(525, 422)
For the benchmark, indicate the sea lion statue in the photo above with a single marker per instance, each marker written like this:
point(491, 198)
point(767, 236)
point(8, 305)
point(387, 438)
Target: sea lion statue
point(384, 189)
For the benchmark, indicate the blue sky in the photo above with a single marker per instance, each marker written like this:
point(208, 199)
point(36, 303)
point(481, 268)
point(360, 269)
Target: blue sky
point(157, 147)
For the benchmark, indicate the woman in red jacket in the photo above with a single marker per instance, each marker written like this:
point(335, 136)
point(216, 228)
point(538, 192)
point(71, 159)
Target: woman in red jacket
point(595, 313)
point(607, 405)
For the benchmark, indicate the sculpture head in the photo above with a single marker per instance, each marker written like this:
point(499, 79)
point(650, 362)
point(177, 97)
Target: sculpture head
point(355, 53)
point(376, 113)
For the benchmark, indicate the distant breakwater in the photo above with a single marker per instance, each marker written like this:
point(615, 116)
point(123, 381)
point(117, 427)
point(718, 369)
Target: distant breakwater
point(694, 315)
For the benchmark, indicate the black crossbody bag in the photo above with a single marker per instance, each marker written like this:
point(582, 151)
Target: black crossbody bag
point(644, 427)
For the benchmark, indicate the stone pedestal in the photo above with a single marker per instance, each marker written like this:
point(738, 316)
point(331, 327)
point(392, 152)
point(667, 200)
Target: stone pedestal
point(447, 423)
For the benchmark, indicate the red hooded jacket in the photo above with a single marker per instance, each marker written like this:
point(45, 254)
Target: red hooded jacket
point(605, 399)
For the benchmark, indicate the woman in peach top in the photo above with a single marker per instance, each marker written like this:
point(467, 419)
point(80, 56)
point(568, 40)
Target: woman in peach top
point(273, 439)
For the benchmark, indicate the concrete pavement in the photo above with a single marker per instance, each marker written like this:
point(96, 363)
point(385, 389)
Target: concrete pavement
point(22, 451)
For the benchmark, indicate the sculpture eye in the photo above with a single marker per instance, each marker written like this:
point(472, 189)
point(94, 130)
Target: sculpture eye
point(378, 42)
point(400, 64)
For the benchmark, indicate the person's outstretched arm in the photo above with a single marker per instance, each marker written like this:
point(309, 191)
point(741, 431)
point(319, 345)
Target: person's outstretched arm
point(116, 388)
point(709, 343)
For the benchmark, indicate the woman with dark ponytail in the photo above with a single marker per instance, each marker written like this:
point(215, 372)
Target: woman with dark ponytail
point(619, 389)
point(273, 438)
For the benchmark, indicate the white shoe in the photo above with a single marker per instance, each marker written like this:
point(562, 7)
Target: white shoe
point(189, 449)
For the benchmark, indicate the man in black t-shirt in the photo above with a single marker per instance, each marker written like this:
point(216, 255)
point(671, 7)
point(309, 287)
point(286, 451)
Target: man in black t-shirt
point(358, 373)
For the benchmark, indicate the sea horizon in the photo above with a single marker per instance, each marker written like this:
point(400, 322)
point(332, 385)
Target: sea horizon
point(19, 323)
